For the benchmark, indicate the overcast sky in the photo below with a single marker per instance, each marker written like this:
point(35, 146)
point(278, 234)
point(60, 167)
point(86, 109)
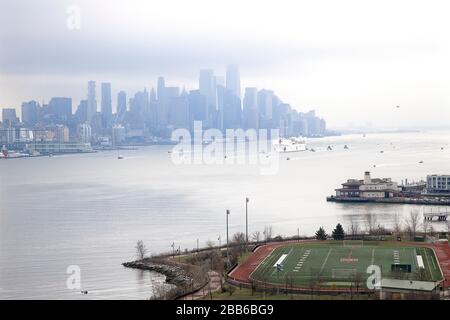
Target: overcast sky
point(352, 61)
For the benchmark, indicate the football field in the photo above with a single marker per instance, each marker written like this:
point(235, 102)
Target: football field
point(340, 265)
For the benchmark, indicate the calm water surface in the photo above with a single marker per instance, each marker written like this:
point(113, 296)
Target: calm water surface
point(91, 209)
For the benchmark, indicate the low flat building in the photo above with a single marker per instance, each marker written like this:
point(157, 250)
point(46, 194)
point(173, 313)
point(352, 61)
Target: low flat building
point(44, 147)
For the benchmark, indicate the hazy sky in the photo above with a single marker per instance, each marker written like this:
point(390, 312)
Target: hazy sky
point(352, 61)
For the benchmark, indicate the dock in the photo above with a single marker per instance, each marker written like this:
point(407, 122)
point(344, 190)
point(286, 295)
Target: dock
point(435, 216)
point(394, 200)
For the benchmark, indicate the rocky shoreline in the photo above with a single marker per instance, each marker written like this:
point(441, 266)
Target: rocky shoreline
point(186, 278)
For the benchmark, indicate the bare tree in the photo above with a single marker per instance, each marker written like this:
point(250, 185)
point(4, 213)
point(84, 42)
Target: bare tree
point(256, 236)
point(268, 232)
point(397, 225)
point(370, 221)
point(353, 228)
point(141, 250)
point(426, 227)
point(412, 223)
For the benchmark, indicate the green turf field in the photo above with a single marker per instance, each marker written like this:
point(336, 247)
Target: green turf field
point(338, 265)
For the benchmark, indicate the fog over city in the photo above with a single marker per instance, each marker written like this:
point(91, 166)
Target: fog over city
point(351, 62)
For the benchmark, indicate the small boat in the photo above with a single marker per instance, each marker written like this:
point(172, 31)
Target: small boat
point(169, 151)
point(420, 161)
point(345, 147)
point(381, 151)
point(374, 165)
point(329, 148)
point(119, 157)
point(288, 158)
point(442, 148)
point(313, 150)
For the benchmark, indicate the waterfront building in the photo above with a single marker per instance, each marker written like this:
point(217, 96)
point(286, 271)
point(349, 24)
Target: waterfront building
point(368, 188)
point(437, 183)
point(45, 147)
point(118, 134)
point(84, 132)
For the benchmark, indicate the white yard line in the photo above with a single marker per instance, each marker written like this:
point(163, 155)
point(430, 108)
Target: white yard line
point(325, 262)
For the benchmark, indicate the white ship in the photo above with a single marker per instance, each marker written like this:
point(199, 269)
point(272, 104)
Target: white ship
point(294, 144)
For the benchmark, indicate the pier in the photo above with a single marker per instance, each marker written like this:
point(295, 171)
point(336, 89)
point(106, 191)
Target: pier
point(435, 216)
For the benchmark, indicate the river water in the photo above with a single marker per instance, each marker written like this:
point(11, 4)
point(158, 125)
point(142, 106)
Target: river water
point(89, 210)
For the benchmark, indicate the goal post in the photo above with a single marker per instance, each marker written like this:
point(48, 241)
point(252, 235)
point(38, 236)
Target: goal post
point(353, 243)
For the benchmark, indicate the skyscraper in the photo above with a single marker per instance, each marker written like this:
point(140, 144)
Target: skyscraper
point(265, 108)
point(92, 102)
point(30, 111)
point(207, 87)
point(9, 117)
point(60, 108)
point(161, 110)
point(250, 110)
point(233, 80)
point(121, 105)
point(106, 105)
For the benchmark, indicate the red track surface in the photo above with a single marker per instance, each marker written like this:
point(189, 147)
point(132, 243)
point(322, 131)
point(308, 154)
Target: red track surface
point(443, 254)
point(242, 272)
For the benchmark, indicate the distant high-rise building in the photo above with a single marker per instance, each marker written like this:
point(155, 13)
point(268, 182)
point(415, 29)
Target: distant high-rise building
point(233, 80)
point(232, 112)
point(92, 101)
point(207, 87)
point(9, 117)
point(197, 106)
point(106, 105)
point(265, 108)
point(179, 111)
point(60, 108)
point(121, 105)
point(161, 110)
point(30, 113)
point(81, 113)
point(220, 81)
point(250, 108)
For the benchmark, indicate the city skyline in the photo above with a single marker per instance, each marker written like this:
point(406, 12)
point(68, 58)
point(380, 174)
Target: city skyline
point(356, 71)
point(151, 115)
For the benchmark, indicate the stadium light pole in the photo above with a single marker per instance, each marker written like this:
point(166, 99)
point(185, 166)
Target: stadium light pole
point(246, 220)
point(228, 257)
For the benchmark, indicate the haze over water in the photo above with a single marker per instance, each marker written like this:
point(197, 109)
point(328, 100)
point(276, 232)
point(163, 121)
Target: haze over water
point(91, 209)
